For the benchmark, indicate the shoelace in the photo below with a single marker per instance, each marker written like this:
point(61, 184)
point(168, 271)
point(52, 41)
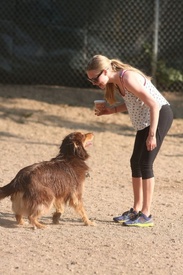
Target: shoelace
point(126, 213)
point(135, 216)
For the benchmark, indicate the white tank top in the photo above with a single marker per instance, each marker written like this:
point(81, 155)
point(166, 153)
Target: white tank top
point(139, 112)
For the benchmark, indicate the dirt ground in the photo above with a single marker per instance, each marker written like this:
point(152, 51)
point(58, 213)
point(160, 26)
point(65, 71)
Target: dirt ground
point(33, 122)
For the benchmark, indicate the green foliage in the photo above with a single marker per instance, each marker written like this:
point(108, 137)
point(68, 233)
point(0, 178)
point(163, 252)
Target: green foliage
point(166, 77)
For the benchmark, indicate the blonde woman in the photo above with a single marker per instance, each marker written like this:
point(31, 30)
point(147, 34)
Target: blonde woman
point(151, 117)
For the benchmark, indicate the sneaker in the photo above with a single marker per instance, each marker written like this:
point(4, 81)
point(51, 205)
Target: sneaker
point(140, 220)
point(125, 216)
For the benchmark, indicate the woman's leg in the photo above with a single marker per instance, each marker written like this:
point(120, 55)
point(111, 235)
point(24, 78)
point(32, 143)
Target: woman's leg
point(139, 144)
point(142, 162)
point(148, 190)
point(137, 193)
point(143, 192)
point(148, 157)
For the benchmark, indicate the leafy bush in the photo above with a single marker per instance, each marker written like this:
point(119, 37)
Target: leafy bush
point(167, 77)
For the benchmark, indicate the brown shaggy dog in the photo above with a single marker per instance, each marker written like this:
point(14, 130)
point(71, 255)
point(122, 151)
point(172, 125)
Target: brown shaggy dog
point(37, 187)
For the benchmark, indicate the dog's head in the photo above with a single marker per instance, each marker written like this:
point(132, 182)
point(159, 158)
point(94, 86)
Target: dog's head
point(74, 145)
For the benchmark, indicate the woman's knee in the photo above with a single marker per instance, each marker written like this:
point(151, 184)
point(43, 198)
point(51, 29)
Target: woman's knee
point(141, 169)
point(135, 168)
point(147, 170)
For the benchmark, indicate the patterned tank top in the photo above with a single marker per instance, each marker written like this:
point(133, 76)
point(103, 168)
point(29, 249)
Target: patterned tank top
point(139, 112)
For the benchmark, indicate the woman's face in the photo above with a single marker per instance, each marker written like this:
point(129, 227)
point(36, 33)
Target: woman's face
point(99, 79)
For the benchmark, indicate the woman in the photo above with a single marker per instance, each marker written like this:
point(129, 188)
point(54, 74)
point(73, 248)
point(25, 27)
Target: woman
point(151, 116)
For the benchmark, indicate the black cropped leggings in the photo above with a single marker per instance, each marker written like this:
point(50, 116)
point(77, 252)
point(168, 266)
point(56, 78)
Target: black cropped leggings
point(142, 160)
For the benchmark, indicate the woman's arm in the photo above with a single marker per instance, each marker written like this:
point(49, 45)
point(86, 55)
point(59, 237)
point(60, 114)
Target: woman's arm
point(134, 83)
point(111, 110)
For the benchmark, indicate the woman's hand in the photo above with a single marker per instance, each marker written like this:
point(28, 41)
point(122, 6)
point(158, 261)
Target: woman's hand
point(104, 111)
point(151, 143)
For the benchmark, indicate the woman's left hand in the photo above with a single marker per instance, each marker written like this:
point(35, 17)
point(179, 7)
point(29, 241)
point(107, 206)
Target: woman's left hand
point(151, 143)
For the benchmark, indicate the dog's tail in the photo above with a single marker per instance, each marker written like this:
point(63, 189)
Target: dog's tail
point(8, 189)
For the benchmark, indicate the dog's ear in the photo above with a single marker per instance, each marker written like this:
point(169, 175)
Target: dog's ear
point(80, 150)
point(67, 147)
point(72, 146)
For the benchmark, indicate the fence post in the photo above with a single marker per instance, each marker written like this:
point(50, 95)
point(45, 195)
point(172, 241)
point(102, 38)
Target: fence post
point(156, 33)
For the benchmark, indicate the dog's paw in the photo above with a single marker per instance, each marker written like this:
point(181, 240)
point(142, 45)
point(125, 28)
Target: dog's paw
point(38, 225)
point(90, 223)
point(56, 221)
point(56, 218)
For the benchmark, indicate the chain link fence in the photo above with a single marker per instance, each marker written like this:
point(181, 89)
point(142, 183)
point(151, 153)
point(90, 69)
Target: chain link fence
point(50, 41)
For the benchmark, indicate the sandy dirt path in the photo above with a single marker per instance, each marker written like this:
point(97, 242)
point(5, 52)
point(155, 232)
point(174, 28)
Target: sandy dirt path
point(33, 122)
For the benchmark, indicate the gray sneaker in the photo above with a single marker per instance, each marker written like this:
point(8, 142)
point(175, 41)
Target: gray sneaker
point(140, 220)
point(125, 216)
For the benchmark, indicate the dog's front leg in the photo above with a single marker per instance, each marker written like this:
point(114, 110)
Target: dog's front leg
point(19, 219)
point(33, 220)
point(81, 211)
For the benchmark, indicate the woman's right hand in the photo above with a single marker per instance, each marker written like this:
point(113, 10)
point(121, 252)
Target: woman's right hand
point(103, 111)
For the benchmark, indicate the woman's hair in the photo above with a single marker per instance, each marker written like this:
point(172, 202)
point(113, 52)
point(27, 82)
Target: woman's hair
point(100, 62)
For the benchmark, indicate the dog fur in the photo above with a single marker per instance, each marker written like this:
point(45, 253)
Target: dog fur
point(38, 187)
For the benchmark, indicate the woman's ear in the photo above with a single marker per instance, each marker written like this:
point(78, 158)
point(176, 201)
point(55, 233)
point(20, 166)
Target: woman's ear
point(105, 71)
